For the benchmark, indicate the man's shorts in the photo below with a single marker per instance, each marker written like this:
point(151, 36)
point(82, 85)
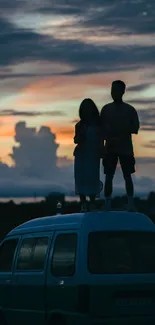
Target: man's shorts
point(110, 162)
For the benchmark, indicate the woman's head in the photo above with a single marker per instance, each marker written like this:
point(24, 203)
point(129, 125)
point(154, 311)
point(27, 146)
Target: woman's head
point(88, 111)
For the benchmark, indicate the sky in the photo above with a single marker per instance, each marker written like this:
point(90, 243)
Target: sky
point(53, 55)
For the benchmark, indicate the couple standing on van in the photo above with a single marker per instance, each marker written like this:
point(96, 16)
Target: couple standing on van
point(107, 135)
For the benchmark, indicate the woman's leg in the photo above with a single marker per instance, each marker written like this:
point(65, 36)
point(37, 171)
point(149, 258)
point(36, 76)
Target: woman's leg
point(83, 203)
point(108, 188)
point(82, 198)
point(92, 198)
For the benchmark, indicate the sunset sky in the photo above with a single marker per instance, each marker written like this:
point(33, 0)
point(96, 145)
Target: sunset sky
point(55, 53)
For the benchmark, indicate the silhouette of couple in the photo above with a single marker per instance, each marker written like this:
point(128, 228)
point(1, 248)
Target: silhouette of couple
point(107, 135)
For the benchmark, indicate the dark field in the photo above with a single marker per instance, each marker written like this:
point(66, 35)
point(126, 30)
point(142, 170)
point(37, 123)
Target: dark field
point(12, 214)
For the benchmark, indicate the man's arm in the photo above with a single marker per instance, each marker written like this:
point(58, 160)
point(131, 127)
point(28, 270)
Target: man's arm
point(135, 125)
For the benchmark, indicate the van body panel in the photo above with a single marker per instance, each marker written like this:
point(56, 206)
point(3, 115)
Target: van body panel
point(29, 291)
point(123, 296)
point(121, 273)
point(6, 278)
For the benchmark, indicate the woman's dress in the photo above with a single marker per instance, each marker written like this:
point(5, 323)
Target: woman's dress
point(87, 164)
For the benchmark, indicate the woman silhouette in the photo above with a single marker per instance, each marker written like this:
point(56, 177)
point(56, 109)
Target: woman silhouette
point(87, 154)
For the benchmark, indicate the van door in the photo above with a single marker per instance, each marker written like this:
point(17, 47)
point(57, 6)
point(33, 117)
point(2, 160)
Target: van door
point(62, 274)
point(8, 250)
point(29, 280)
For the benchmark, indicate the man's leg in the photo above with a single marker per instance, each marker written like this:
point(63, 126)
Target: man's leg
point(128, 168)
point(108, 188)
point(130, 192)
point(129, 185)
point(109, 163)
point(92, 202)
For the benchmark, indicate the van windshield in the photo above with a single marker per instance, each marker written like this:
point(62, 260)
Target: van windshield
point(121, 252)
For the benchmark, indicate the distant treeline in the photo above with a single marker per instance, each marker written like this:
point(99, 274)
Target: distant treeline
point(12, 214)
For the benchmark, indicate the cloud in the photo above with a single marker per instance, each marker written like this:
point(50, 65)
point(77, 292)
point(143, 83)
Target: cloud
point(36, 167)
point(59, 8)
point(147, 119)
point(139, 87)
point(117, 16)
point(83, 57)
point(36, 152)
point(12, 112)
point(150, 144)
point(143, 101)
point(145, 160)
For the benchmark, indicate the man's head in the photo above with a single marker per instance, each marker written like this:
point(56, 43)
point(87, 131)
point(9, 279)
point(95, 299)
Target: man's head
point(117, 90)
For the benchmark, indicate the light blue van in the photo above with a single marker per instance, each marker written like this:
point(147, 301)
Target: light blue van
point(94, 268)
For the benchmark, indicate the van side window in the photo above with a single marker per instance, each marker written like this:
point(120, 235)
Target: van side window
point(64, 255)
point(32, 254)
point(39, 254)
point(7, 252)
point(25, 254)
point(109, 253)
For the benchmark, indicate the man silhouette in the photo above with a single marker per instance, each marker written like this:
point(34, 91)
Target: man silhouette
point(119, 121)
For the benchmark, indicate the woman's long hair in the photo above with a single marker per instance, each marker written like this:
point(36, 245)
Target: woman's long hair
point(88, 112)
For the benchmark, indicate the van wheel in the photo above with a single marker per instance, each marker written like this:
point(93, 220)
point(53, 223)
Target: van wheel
point(57, 320)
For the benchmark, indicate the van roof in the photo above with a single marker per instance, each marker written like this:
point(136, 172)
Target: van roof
point(97, 220)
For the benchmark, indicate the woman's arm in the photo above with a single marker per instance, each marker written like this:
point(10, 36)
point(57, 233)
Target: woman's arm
point(79, 133)
point(76, 140)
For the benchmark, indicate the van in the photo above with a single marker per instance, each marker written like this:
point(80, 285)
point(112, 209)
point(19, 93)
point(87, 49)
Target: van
point(86, 268)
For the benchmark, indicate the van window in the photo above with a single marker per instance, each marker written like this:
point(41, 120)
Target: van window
point(64, 255)
point(32, 254)
point(121, 252)
point(39, 254)
point(7, 252)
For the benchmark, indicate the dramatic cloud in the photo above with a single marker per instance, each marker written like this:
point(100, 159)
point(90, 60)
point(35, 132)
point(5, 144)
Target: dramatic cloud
point(119, 17)
point(36, 153)
point(23, 44)
point(114, 15)
point(143, 101)
point(12, 112)
point(139, 87)
point(145, 160)
point(147, 119)
point(36, 166)
point(150, 144)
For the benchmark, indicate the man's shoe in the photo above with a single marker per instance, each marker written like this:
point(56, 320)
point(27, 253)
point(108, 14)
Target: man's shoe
point(92, 207)
point(131, 205)
point(108, 204)
point(131, 208)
